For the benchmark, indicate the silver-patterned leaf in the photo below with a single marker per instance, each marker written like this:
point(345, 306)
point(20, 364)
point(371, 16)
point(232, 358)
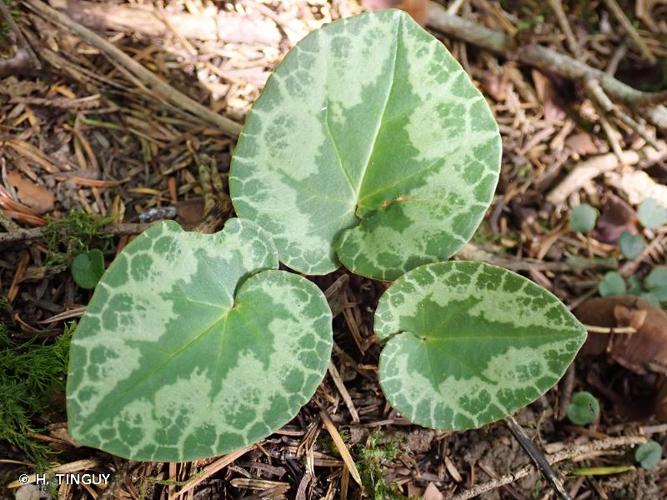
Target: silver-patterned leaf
point(370, 147)
point(470, 343)
point(194, 345)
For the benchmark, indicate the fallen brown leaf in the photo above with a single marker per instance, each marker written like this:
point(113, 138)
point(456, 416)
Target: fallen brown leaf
point(617, 216)
point(548, 94)
point(637, 352)
point(582, 144)
point(31, 194)
point(432, 493)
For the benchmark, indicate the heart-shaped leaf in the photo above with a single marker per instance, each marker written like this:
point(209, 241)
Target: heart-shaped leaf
point(470, 343)
point(87, 268)
point(583, 217)
point(369, 146)
point(651, 214)
point(631, 244)
point(612, 283)
point(193, 346)
point(584, 408)
point(649, 454)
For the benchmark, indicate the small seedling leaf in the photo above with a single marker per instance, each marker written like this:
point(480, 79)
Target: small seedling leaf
point(649, 454)
point(584, 408)
point(583, 217)
point(631, 244)
point(657, 278)
point(379, 156)
point(194, 345)
point(651, 214)
point(612, 284)
point(87, 268)
point(469, 343)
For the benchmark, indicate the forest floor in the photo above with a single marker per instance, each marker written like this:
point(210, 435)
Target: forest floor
point(91, 152)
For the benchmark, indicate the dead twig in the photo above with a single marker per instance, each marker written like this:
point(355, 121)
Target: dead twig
point(211, 469)
point(341, 446)
point(587, 170)
point(618, 13)
point(566, 454)
point(598, 95)
point(161, 89)
point(608, 330)
point(541, 57)
point(561, 17)
point(338, 381)
point(121, 229)
point(538, 457)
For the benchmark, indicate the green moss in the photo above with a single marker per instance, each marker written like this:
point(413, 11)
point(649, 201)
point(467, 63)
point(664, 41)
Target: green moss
point(29, 374)
point(74, 234)
point(373, 457)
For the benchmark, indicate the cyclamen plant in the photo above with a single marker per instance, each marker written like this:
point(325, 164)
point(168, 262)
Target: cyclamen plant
point(371, 148)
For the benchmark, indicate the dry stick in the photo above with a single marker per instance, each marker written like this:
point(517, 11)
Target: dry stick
point(616, 10)
point(157, 85)
point(596, 93)
point(589, 169)
point(566, 454)
point(611, 133)
point(120, 229)
point(454, 7)
point(610, 330)
point(616, 58)
point(540, 57)
point(338, 381)
point(211, 469)
point(538, 457)
point(557, 7)
point(341, 446)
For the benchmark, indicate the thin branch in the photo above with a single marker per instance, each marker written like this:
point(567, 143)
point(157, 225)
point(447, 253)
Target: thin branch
point(618, 13)
point(589, 169)
point(609, 330)
point(557, 7)
point(540, 57)
point(566, 454)
point(538, 457)
point(454, 7)
point(157, 85)
point(597, 94)
point(36, 233)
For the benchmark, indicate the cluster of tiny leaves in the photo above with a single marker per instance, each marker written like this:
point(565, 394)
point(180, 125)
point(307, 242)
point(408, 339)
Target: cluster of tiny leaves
point(379, 156)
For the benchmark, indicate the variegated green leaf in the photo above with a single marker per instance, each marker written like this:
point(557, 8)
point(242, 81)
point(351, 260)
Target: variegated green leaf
point(470, 343)
point(193, 345)
point(369, 146)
